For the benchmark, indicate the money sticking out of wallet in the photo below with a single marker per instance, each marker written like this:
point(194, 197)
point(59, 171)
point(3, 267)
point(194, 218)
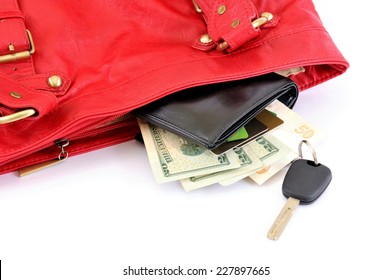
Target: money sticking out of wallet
point(223, 133)
point(264, 122)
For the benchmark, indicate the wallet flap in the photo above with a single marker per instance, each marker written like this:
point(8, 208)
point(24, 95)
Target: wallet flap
point(208, 115)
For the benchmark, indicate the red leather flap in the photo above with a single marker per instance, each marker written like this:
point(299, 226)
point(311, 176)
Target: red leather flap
point(15, 96)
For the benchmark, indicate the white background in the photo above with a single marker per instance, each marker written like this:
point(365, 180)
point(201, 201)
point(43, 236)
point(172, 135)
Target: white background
point(95, 214)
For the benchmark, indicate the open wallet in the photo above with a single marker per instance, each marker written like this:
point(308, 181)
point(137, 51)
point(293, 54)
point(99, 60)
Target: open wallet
point(74, 74)
point(208, 115)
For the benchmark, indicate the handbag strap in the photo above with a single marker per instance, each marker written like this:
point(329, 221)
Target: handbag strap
point(26, 101)
point(23, 92)
point(16, 43)
point(230, 23)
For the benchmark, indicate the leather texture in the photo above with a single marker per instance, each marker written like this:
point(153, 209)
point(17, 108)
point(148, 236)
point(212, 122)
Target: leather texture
point(219, 16)
point(208, 115)
point(115, 56)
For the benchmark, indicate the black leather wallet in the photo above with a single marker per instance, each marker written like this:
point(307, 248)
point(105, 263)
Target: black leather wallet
point(208, 115)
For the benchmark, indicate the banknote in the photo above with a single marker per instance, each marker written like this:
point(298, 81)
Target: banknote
point(268, 149)
point(174, 158)
point(246, 158)
point(264, 174)
point(294, 129)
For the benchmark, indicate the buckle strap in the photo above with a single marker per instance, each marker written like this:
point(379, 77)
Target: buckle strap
point(16, 43)
point(13, 37)
point(231, 23)
point(11, 14)
point(22, 101)
point(15, 55)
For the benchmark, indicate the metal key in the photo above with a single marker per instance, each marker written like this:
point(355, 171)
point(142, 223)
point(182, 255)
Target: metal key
point(304, 182)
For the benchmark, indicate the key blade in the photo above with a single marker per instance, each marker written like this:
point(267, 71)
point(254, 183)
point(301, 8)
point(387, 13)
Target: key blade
point(283, 218)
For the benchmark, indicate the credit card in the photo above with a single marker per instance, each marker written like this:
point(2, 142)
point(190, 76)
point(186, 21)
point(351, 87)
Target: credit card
point(262, 123)
point(269, 119)
point(239, 135)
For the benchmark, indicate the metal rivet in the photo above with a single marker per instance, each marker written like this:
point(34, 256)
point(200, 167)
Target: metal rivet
point(267, 15)
point(205, 39)
point(15, 94)
point(55, 81)
point(222, 9)
point(197, 7)
point(235, 23)
point(11, 47)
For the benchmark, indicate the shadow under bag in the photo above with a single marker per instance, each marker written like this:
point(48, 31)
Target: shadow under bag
point(72, 72)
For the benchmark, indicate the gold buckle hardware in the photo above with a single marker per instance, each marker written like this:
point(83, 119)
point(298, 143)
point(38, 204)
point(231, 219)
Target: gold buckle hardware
point(17, 116)
point(19, 55)
point(265, 18)
point(197, 7)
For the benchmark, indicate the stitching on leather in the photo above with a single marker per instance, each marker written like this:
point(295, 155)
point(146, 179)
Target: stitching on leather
point(159, 94)
point(11, 14)
point(289, 33)
point(17, 86)
point(75, 151)
point(248, 9)
point(215, 5)
point(43, 79)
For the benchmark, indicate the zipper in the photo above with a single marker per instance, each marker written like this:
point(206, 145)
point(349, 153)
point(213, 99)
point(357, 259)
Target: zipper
point(63, 143)
point(63, 155)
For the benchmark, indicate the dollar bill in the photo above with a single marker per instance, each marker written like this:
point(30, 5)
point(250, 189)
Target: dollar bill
point(173, 158)
point(268, 149)
point(294, 129)
point(264, 174)
point(246, 158)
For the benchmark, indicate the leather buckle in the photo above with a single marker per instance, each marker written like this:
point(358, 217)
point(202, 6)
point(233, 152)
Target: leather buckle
point(257, 23)
point(19, 55)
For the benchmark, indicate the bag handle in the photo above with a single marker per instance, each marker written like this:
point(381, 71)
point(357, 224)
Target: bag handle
point(230, 23)
point(17, 116)
point(23, 92)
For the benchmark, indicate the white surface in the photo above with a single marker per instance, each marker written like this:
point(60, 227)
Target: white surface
point(95, 214)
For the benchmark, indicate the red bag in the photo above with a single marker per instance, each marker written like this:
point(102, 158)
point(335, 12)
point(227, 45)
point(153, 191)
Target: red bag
point(71, 71)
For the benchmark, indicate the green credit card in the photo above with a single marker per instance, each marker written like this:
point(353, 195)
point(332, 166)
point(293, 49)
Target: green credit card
point(239, 135)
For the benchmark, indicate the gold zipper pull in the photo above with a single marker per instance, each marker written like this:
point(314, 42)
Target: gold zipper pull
point(63, 155)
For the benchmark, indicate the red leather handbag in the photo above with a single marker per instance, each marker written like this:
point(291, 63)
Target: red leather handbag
point(71, 71)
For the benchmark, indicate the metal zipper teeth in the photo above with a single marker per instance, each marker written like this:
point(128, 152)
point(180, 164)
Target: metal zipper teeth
point(74, 136)
point(105, 127)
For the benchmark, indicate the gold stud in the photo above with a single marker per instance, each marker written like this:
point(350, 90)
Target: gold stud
point(15, 94)
point(265, 17)
point(221, 9)
point(11, 47)
point(197, 7)
point(205, 39)
point(55, 81)
point(235, 23)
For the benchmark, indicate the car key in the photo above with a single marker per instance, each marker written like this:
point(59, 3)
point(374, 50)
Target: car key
point(304, 182)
